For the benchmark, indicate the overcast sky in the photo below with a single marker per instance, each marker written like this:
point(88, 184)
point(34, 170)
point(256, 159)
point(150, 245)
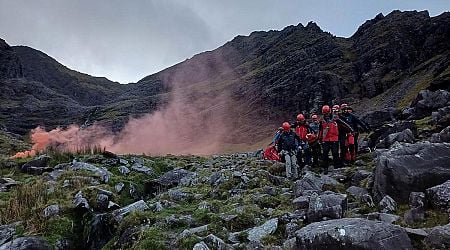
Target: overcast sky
point(128, 40)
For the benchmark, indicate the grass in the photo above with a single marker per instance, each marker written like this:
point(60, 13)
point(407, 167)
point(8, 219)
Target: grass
point(412, 93)
point(433, 217)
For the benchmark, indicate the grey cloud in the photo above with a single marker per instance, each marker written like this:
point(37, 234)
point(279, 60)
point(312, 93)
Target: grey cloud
point(127, 40)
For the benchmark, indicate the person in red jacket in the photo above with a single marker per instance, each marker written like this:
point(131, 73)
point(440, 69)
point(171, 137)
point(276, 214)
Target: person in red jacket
point(303, 153)
point(329, 136)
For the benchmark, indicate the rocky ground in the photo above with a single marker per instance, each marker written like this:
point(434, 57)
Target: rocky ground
point(396, 197)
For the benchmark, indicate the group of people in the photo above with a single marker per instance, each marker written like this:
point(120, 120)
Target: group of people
point(308, 143)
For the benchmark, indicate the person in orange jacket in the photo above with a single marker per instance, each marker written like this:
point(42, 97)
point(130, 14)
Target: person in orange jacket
point(329, 136)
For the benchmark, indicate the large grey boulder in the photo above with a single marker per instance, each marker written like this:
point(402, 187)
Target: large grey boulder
point(329, 205)
point(142, 169)
point(378, 117)
point(406, 168)
point(174, 177)
point(312, 182)
point(137, 206)
point(439, 237)
point(439, 196)
point(352, 233)
point(387, 205)
point(391, 128)
point(104, 174)
point(416, 212)
point(427, 101)
point(443, 136)
point(27, 243)
point(257, 233)
point(404, 136)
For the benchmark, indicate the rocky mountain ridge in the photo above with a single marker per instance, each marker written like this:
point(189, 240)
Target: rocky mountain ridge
point(265, 78)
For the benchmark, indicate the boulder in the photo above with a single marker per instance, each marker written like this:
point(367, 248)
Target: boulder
point(439, 196)
point(7, 233)
point(359, 176)
point(104, 174)
point(142, 169)
point(352, 233)
point(51, 211)
point(439, 237)
point(80, 201)
point(357, 192)
point(301, 202)
point(404, 136)
point(312, 182)
point(388, 218)
point(427, 101)
point(137, 206)
point(379, 117)
point(174, 177)
point(329, 205)
point(216, 243)
point(200, 246)
point(7, 183)
point(124, 170)
point(443, 136)
point(27, 243)
point(387, 205)
point(257, 233)
point(406, 168)
point(416, 213)
point(100, 230)
point(37, 166)
point(391, 128)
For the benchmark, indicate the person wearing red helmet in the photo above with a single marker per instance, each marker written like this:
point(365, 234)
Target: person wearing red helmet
point(287, 145)
point(302, 129)
point(329, 136)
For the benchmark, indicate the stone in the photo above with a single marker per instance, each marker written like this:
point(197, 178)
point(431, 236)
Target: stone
point(417, 199)
point(312, 182)
point(102, 202)
point(387, 205)
point(137, 206)
point(359, 176)
point(379, 117)
point(301, 202)
point(404, 136)
point(124, 170)
point(191, 231)
point(384, 131)
point(80, 202)
point(291, 228)
point(289, 244)
point(200, 246)
point(104, 174)
point(328, 205)
point(257, 233)
point(37, 166)
point(428, 101)
point(443, 136)
point(216, 243)
point(388, 218)
point(51, 211)
point(357, 192)
point(7, 233)
point(417, 211)
point(99, 231)
point(27, 243)
point(352, 233)
point(439, 237)
point(7, 183)
point(179, 195)
point(119, 187)
point(406, 168)
point(142, 169)
point(174, 177)
point(439, 196)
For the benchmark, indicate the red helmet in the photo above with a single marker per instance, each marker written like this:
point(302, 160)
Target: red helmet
point(314, 117)
point(286, 126)
point(300, 117)
point(335, 107)
point(326, 109)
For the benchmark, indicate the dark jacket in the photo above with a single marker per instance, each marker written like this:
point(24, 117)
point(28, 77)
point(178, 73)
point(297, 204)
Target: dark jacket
point(354, 121)
point(288, 141)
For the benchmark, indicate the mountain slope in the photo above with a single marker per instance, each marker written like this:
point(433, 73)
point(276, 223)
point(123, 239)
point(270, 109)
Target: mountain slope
point(249, 85)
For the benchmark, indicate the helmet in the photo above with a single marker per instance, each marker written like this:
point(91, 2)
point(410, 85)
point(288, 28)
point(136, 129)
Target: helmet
point(344, 106)
point(335, 107)
point(326, 109)
point(286, 126)
point(300, 117)
point(314, 117)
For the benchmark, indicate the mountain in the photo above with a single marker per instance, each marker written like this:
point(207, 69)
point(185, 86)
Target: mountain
point(254, 82)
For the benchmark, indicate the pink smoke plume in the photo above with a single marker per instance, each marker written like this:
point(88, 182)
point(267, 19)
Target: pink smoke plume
point(194, 122)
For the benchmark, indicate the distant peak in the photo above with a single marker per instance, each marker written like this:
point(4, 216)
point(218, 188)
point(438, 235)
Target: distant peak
point(313, 26)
